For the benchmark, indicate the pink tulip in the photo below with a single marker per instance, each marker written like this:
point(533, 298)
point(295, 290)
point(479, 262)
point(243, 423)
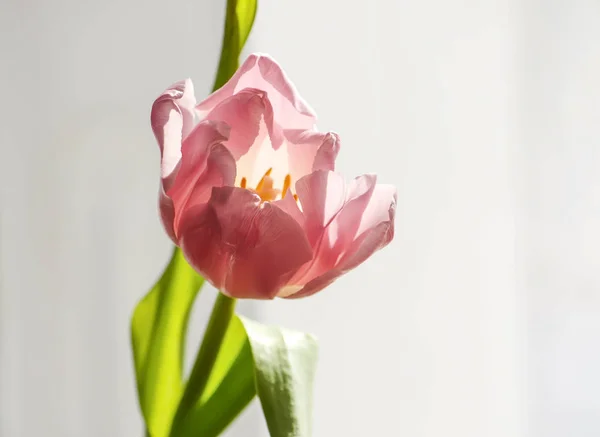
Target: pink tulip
point(249, 191)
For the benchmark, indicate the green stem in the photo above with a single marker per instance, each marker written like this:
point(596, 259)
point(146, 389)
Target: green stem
point(220, 317)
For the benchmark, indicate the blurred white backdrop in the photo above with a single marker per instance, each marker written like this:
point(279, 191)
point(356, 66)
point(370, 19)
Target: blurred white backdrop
point(481, 319)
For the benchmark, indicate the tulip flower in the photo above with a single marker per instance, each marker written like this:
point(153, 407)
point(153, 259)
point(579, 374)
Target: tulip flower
point(249, 190)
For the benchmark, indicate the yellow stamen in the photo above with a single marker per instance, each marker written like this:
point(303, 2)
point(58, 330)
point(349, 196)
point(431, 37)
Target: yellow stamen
point(266, 192)
point(286, 185)
point(261, 183)
point(265, 189)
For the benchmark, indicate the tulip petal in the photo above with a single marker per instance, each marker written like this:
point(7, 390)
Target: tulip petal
point(381, 209)
point(364, 246)
point(220, 171)
point(289, 205)
point(327, 152)
point(172, 120)
point(344, 227)
point(167, 213)
point(244, 248)
point(364, 225)
point(262, 72)
point(334, 233)
point(227, 90)
point(243, 112)
point(310, 150)
point(321, 196)
point(204, 163)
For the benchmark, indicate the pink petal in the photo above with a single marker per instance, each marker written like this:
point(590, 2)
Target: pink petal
point(205, 163)
point(321, 196)
point(220, 171)
point(227, 90)
point(167, 213)
point(327, 153)
point(172, 119)
point(274, 75)
point(381, 209)
point(243, 112)
point(244, 248)
point(289, 205)
point(331, 239)
point(344, 227)
point(309, 150)
point(364, 246)
point(263, 73)
point(364, 225)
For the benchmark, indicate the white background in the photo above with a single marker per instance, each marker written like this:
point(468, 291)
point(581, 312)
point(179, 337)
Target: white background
point(481, 319)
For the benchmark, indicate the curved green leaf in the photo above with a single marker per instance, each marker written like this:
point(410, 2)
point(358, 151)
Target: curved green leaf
point(158, 329)
point(276, 363)
point(284, 363)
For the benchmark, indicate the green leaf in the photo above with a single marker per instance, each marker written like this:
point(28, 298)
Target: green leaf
point(239, 18)
point(285, 363)
point(277, 363)
point(158, 329)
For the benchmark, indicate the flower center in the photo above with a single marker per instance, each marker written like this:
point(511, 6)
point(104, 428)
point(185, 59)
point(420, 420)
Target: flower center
point(265, 189)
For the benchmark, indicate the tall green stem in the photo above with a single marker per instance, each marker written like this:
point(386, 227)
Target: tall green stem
point(207, 354)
